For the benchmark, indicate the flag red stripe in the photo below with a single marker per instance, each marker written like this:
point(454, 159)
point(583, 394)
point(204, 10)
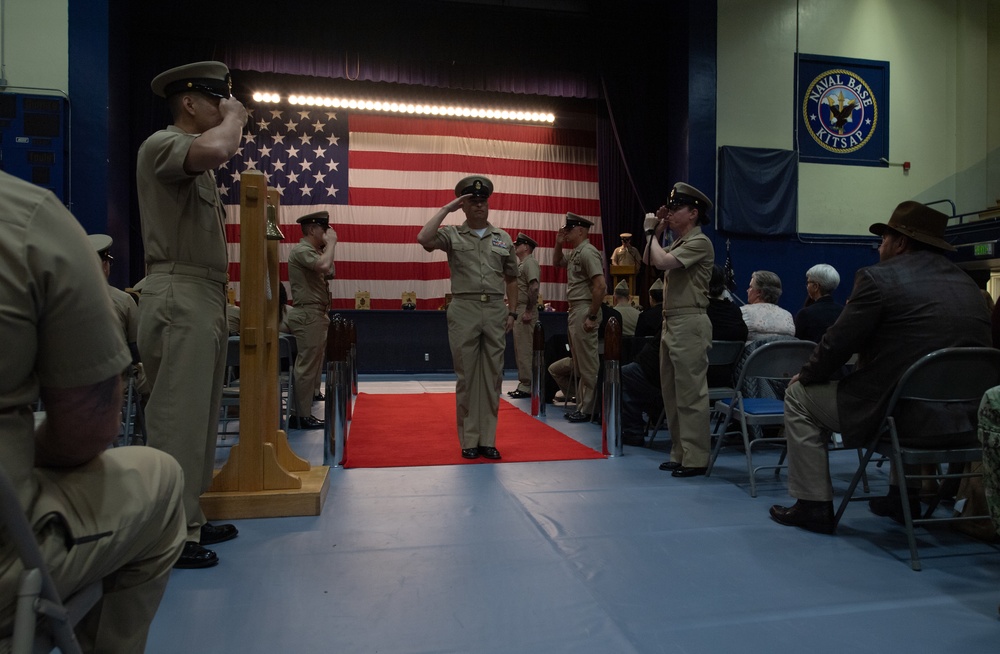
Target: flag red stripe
point(371, 233)
point(433, 199)
point(422, 162)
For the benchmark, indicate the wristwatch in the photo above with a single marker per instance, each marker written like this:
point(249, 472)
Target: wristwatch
point(513, 315)
point(650, 232)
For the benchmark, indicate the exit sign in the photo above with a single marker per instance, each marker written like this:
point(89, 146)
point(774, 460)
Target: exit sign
point(984, 249)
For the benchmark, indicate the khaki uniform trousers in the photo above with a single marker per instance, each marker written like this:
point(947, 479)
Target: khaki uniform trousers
point(810, 417)
point(134, 495)
point(309, 325)
point(183, 339)
point(684, 347)
point(523, 350)
point(583, 348)
point(477, 339)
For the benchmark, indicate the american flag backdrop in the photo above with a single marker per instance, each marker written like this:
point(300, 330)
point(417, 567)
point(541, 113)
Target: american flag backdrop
point(382, 177)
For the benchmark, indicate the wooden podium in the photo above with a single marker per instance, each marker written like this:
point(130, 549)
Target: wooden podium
point(263, 478)
point(627, 273)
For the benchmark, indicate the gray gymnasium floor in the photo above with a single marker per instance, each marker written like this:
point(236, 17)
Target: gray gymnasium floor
point(603, 556)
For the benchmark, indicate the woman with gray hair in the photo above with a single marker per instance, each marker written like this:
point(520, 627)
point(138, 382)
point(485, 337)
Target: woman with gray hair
point(820, 311)
point(763, 316)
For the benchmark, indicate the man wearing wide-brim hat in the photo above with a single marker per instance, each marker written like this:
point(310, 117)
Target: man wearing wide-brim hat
point(911, 303)
point(183, 330)
point(687, 331)
point(310, 267)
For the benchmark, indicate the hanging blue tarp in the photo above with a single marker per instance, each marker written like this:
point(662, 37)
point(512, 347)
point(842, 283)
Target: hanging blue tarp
point(758, 191)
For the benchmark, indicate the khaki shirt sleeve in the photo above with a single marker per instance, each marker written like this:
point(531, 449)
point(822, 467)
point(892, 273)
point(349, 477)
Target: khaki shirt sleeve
point(168, 149)
point(590, 263)
point(691, 251)
point(532, 271)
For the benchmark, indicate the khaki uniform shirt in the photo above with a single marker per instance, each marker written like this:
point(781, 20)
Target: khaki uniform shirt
point(182, 215)
point(478, 265)
point(127, 311)
point(59, 329)
point(626, 256)
point(309, 288)
point(686, 288)
point(582, 264)
point(527, 272)
point(630, 317)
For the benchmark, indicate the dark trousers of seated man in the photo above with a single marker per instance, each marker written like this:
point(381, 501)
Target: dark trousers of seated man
point(639, 395)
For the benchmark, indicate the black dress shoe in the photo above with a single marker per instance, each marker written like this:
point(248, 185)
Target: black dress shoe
point(810, 515)
point(576, 416)
point(669, 465)
point(295, 422)
point(891, 505)
point(518, 394)
point(196, 556)
point(212, 534)
point(318, 397)
point(684, 471)
point(489, 452)
point(470, 453)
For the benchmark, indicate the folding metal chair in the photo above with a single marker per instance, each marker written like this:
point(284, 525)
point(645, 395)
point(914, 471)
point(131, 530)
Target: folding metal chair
point(723, 353)
point(771, 366)
point(950, 380)
point(231, 390)
point(37, 594)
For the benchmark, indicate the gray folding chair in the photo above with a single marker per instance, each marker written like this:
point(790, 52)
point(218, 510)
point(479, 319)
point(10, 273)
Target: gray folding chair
point(770, 366)
point(230, 392)
point(287, 352)
point(37, 594)
point(723, 353)
point(951, 382)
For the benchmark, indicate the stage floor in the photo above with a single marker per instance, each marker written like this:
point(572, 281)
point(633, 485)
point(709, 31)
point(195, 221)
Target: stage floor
point(603, 556)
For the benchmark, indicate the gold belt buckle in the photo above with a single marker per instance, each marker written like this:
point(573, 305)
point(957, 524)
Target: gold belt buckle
point(484, 298)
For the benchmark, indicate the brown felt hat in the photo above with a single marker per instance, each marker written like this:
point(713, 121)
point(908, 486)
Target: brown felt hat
point(919, 222)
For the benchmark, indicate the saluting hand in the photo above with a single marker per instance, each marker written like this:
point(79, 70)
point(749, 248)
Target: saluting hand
point(330, 237)
point(456, 204)
point(232, 107)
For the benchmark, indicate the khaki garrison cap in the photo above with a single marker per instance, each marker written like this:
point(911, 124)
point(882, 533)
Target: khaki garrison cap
point(102, 245)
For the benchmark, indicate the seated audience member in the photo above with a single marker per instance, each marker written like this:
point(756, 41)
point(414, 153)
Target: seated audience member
point(989, 436)
point(650, 320)
point(727, 324)
point(762, 314)
point(820, 311)
point(98, 514)
point(629, 314)
point(233, 314)
point(912, 302)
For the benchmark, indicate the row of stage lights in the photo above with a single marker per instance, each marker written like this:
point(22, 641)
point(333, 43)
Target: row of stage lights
point(408, 108)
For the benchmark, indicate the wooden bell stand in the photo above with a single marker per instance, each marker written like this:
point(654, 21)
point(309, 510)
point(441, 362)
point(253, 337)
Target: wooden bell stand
point(263, 478)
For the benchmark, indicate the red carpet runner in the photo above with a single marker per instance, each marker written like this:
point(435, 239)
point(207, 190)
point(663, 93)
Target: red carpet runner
point(418, 429)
